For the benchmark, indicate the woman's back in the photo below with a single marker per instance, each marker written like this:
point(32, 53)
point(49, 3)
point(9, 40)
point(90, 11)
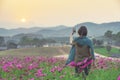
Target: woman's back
point(82, 49)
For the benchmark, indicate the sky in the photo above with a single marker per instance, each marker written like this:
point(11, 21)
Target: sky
point(48, 13)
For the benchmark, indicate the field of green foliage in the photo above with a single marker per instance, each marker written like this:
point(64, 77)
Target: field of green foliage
point(39, 64)
point(51, 68)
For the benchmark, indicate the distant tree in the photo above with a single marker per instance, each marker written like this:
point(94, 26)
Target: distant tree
point(36, 42)
point(42, 42)
point(108, 34)
point(11, 45)
point(99, 42)
point(118, 36)
point(2, 41)
point(114, 36)
point(94, 41)
point(119, 50)
point(51, 41)
point(25, 41)
point(108, 48)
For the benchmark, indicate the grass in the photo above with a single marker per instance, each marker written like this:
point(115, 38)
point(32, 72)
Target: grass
point(110, 74)
point(42, 51)
point(67, 72)
point(104, 52)
point(97, 74)
point(50, 51)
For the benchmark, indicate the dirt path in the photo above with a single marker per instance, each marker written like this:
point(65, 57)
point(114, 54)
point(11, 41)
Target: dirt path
point(116, 47)
point(96, 54)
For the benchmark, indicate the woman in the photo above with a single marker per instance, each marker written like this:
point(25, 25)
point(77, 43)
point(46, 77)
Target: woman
point(82, 48)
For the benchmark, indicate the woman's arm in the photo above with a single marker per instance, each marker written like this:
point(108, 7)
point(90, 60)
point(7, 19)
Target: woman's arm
point(71, 35)
point(71, 55)
point(72, 50)
point(71, 38)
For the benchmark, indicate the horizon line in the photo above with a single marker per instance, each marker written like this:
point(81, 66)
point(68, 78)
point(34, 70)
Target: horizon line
point(42, 26)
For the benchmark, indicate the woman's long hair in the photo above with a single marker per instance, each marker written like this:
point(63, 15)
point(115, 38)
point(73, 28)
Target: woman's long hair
point(82, 31)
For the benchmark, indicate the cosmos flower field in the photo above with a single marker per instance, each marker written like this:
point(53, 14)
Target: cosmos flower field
point(51, 68)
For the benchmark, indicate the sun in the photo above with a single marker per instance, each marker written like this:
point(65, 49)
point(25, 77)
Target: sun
point(23, 20)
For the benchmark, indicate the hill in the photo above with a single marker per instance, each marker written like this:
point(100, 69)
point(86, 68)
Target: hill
point(11, 32)
point(99, 29)
point(64, 31)
point(93, 29)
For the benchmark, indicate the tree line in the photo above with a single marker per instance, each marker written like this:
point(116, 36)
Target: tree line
point(25, 41)
point(109, 37)
point(109, 34)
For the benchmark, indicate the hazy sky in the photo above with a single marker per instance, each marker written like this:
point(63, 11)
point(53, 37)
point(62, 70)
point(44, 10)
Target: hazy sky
point(29, 13)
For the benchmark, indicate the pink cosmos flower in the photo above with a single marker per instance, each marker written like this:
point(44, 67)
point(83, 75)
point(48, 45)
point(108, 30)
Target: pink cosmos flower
point(5, 68)
point(28, 59)
point(86, 64)
point(32, 66)
point(85, 60)
point(62, 76)
point(118, 78)
point(39, 73)
point(59, 69)
point(53, 69)
point(32, 79)
point(56, 68)
point(72, 64)
point(52, 60)
point(19, 66)
point(79, 63)
point(10, 64)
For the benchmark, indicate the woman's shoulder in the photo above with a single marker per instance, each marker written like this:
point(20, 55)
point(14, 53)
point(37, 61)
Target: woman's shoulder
point(76, 38)
point(83, 38)
point(89, 41)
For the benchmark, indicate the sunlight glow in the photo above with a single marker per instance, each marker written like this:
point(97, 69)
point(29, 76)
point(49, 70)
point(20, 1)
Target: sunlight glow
point(23, 20)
